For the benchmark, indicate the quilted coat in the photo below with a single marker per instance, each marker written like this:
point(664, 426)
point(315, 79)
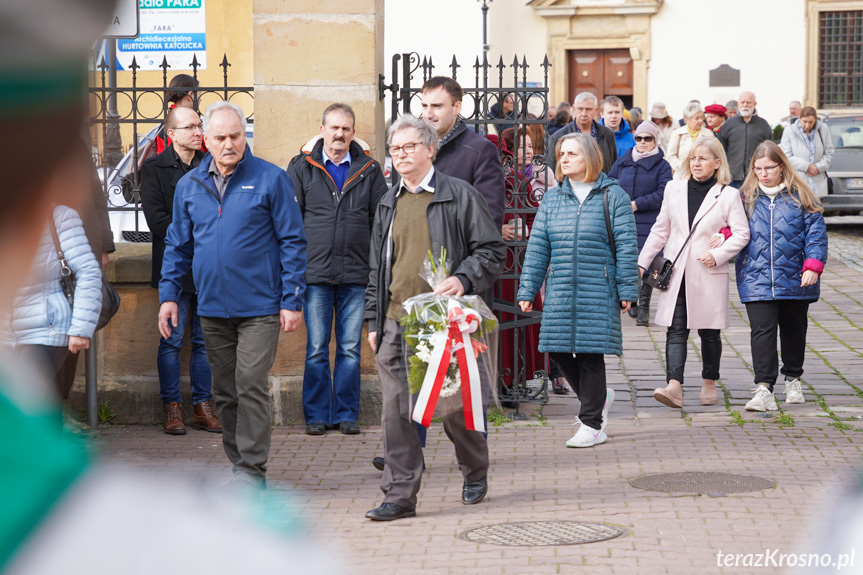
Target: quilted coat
point(645, 182)
point(40, 314)
point(569, 242)
point(785, 241)
point(706, 288)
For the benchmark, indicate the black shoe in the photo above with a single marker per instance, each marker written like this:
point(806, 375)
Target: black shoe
point(474, 492)
point(633, 310)
point(316, 428)
point(389, 512)
point(378, 463)
point(643, 318)
point(560, 386)
point(349, 428)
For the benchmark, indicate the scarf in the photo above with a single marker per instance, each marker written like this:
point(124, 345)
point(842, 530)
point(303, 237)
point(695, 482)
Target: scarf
point(636, 155)
point(445, 139)
point(772, 192)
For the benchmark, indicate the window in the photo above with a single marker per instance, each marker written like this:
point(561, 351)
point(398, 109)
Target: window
point(840, 71)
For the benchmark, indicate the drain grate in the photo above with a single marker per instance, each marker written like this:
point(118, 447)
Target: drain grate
point(701, 482)
point(541, 533)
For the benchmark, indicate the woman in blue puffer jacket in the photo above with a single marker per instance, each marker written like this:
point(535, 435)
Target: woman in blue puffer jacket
point(42, 326)
point(588, 283)
point(778, 272)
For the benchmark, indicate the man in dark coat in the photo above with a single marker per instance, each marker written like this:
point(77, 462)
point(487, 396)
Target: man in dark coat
point(338, 187)
point(426, 211)
point(741, 135)
point(584, 108)
point(159, 177)
point(464, 154)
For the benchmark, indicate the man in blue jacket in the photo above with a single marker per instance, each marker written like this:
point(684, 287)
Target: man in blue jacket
point(239, 216)
point(612, 118)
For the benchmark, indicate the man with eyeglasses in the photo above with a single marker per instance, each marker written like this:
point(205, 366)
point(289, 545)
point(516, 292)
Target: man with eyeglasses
point(159, 177)
point(426, 211)
point(741, 135)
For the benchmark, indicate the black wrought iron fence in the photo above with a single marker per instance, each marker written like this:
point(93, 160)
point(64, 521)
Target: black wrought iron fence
point(523, 372)
point(143, 108)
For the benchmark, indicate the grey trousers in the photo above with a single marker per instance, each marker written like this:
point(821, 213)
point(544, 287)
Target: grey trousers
point(402, 450)
point(241, 352)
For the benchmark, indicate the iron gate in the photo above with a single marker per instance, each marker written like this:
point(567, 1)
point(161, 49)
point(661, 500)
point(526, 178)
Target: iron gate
point(144, 108)
point(521, 376)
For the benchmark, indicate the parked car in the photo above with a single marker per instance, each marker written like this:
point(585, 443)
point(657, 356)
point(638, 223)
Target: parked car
point(124, 201)
point(845, 184)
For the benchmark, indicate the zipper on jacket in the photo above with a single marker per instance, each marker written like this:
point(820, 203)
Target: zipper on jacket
point(219, 241)
point(575, 270)
point(772, 270)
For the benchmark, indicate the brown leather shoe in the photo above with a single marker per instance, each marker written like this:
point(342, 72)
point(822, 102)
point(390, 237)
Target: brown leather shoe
point(174, 419)
point(205, 418)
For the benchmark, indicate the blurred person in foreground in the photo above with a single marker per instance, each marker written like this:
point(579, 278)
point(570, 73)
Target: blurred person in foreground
point(54, 496)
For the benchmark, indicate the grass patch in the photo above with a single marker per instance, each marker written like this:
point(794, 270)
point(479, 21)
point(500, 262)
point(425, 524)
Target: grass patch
point(105, 414)
point(737, 418)
point(497, 417)
point(785, 419)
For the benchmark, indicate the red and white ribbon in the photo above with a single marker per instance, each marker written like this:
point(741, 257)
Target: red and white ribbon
point(455, 339)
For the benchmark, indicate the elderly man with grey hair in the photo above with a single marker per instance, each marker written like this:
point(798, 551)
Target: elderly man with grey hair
point(434, 211)
point(584, 112)
point(239, 216)
point(740, 136)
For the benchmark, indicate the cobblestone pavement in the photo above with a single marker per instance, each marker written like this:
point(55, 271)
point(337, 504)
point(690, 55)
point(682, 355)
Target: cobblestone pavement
point(808, 450)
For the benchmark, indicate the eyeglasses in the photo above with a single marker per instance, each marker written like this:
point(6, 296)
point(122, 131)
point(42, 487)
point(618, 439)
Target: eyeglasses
point(765, 169)
point(700, 159)
point(193, 127)
point(643, 138)
point(407, 148)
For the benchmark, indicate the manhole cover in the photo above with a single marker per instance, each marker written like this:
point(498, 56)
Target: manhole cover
point(703, 482)
point(537, 533)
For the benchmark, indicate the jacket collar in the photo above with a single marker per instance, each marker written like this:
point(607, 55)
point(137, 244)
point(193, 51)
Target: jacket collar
point(169, 157)
point(709, 201)
point(456, 134)
point(202, 172)
point(442, 191)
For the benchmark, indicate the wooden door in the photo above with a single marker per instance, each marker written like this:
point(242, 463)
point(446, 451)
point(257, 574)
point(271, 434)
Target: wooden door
point(601, 72)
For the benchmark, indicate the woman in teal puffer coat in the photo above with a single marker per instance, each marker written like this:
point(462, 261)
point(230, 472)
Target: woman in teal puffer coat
point(589, 285)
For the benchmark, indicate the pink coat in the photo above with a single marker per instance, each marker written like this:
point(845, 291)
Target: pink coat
point(706, 288)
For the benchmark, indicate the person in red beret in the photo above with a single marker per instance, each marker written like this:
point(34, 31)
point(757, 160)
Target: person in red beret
point(714, 115)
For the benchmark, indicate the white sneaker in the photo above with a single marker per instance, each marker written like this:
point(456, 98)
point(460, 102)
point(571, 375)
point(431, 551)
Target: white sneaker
point(794, 391)
point(587, 437)
point(764, 400)
point(609, 398)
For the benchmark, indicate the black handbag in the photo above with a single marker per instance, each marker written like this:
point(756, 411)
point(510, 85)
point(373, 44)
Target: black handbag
point(658, 275)
point(110, 297)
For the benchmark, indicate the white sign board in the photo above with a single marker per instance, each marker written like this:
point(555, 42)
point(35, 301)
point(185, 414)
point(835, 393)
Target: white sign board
point(172, 29)
point(124, 22)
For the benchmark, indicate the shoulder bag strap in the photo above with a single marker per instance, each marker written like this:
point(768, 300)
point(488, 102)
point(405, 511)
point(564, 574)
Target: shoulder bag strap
point(695, 225)
point(611, 241)
point(66, 277)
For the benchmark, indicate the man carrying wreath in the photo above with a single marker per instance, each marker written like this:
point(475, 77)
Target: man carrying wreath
point(425, 212)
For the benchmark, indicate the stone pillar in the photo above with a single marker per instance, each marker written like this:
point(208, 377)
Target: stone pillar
point(309, 54)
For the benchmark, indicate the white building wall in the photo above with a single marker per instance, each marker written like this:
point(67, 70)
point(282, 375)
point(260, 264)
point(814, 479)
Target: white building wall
point(443, 28)
point(764, 39)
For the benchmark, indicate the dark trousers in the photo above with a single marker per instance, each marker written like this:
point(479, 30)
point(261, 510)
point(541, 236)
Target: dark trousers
point(585, 372)
point(402, 450)
point(241, 352)
point(50, 360)
point(677, 342)
point(789, 316)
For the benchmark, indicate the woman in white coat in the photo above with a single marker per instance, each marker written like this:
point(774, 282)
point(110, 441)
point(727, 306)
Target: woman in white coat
point(809, 148)
point(684, 137)
point(700, 202)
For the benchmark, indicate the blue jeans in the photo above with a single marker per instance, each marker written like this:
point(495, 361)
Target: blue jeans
point(333, 400)
point(168, 359)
